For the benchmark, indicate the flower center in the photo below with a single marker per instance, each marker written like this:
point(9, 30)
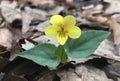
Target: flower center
point(62, 33)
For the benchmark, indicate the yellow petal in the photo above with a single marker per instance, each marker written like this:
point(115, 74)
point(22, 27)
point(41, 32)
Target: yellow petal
point(69, 20)
point(62, 39)
point(74, 32)
point(51, 31)
point(56, 20)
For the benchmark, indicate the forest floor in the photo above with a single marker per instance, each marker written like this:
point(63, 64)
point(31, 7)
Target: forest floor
point(22, 24)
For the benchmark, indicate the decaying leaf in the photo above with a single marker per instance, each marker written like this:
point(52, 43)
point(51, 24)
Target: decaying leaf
point(3, 63)
point(21, 67)
point(9, 77)
point(47, 76)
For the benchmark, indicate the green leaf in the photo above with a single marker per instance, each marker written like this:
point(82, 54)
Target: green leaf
point(43, 54)
point(60, 52)
point(86, 44)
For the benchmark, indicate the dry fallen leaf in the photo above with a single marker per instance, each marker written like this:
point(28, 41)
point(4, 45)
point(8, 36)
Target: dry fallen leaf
point(114, 6)
point(35, 12)
point(91, 73)
point(68, 75)
point(41, 2)
point(45, 39)
point(56, 10)
point(1, 76)
point(108, 50)
point(83, 73)
point(26, 18)
point(9, 10)
point(42, 26)
point(28, 45)
point(115, 27)
point(6, 38)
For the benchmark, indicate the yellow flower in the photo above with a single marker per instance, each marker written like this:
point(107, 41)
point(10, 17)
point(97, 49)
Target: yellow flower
point(62, 28)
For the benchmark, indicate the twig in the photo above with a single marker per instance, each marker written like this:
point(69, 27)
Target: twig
point(83, 73)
